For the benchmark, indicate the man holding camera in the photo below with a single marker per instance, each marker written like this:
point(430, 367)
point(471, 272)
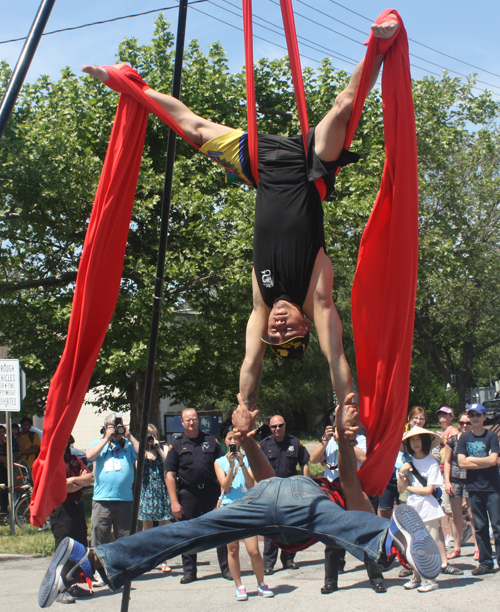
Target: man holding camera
point(114, 457)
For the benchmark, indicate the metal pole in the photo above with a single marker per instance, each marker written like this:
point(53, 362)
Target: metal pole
point(23, 63)
point(160, 272)
point(10, 473)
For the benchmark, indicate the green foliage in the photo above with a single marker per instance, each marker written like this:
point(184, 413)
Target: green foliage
point(50, 160)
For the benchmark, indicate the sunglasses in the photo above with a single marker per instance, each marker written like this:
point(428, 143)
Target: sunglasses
point(473, 415)
point(464, 423)
point(277, 426)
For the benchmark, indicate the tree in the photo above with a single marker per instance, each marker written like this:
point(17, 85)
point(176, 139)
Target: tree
point(457, 317)
point(50, 161)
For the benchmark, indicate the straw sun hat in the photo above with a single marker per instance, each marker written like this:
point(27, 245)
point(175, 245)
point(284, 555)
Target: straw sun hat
point(418, 431)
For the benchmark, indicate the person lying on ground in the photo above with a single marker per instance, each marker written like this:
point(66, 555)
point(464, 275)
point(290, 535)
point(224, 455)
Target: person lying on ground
point(295, 512)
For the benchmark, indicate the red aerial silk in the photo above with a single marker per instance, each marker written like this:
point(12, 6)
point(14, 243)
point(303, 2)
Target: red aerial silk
point(383, 292)
point(385, 283)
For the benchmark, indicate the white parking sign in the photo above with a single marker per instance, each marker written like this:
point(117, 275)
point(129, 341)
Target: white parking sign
point(10, 385)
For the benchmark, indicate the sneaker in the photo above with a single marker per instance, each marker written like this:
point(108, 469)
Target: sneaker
point(65, 598)
point(480, 570)
point(64, 570)
point(404, 573)
point(408, 535)
point(451, 570)
point(241, 593)
point(448, 541)
point(429, 585)
point(78, 592)
point(414, 583)
point(467, 534)
point(264, 590)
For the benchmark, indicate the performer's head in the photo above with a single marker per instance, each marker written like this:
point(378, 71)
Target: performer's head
point(287, 330)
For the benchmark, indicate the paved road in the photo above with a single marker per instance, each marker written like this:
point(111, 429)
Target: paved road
point(296, 591)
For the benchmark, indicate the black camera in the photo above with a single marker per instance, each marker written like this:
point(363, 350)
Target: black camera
point(232, 447)
point(119, 428)
point(150, 439)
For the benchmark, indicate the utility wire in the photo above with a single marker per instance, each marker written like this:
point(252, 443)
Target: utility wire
point(280, 32)
point(88, 25)
point(317, 47)
point(418, 43)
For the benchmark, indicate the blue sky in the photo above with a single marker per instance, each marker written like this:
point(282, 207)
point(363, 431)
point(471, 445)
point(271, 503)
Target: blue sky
point(446, 26)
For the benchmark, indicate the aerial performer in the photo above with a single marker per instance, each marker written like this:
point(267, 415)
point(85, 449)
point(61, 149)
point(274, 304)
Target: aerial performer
point(292, 274)
point(295, 512)
point(292, 277)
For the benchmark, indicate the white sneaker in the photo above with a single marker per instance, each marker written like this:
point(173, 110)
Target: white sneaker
point(429, 585)
point(264, 591)
point(414, 583)
point(448, 541)
point(241, 593)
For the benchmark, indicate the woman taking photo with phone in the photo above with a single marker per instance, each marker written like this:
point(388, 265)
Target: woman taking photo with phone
point(155, 502)
point(235, 478)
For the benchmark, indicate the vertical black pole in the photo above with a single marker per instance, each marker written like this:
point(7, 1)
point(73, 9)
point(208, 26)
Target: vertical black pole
point(24, 62)
point(160, 272)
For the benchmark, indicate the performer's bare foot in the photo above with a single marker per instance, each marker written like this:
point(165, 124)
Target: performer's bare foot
point(96, 71)
point(385, 30)
point(347, 419)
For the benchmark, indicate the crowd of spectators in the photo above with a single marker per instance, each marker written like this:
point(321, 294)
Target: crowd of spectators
point(451, 478)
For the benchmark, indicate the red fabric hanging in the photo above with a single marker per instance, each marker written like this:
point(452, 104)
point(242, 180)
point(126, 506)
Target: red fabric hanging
point(253, 145)
point(96, 292)
point(383, 291)
point(384, 288)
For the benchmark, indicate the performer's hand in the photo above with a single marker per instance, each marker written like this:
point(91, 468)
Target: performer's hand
point(347, 419)
point(385, 30)
point(244, 420)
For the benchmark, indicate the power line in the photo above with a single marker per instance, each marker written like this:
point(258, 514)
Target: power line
point(419, 43)
point(88, 25)
point(280, 32)
point(411, 54)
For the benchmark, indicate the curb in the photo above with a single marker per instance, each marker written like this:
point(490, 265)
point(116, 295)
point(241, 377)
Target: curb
point(10, 557)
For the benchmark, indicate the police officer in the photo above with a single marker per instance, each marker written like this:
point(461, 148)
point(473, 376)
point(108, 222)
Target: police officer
point(190, 461)
point(283, 452)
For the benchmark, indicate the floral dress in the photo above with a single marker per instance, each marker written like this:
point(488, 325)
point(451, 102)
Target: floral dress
point(155, 503)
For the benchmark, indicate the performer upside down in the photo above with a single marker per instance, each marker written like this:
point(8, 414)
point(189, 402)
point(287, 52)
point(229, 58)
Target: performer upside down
point(292, 276)
point(295, 512)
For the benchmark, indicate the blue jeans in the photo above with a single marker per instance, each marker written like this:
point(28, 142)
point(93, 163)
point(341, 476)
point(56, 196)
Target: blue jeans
point(284, 509)
point(484, 504)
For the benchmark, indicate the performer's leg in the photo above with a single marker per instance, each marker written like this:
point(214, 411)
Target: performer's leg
point(197, 129)
point(332, 129)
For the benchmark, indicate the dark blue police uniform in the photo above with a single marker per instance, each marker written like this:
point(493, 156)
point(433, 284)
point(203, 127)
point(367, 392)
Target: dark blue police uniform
point(283, 457)
point(198, 490)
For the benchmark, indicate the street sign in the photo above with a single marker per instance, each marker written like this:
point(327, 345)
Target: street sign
point(10, 385)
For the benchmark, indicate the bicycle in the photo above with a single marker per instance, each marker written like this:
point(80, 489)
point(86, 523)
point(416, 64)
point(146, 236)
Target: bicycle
point(22, 500)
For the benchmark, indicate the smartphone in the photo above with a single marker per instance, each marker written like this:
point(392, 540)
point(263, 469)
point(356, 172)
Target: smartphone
point(232, 447)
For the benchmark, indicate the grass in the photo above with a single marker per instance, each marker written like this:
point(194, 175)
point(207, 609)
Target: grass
point(30, 541)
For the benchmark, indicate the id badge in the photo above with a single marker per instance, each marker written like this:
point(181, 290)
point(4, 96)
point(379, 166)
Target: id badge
point(117, 465)
point(108, 465)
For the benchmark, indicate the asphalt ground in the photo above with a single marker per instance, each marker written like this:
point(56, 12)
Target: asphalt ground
point(295, 590)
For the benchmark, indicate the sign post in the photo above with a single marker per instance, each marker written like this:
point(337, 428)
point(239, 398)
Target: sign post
point(10, 401)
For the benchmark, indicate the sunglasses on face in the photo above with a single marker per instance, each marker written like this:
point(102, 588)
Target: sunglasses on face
point(473, 415)
point(464, 423)
point(278, 426)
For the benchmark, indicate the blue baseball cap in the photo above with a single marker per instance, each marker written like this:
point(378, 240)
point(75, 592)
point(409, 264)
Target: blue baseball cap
point(479, 408)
